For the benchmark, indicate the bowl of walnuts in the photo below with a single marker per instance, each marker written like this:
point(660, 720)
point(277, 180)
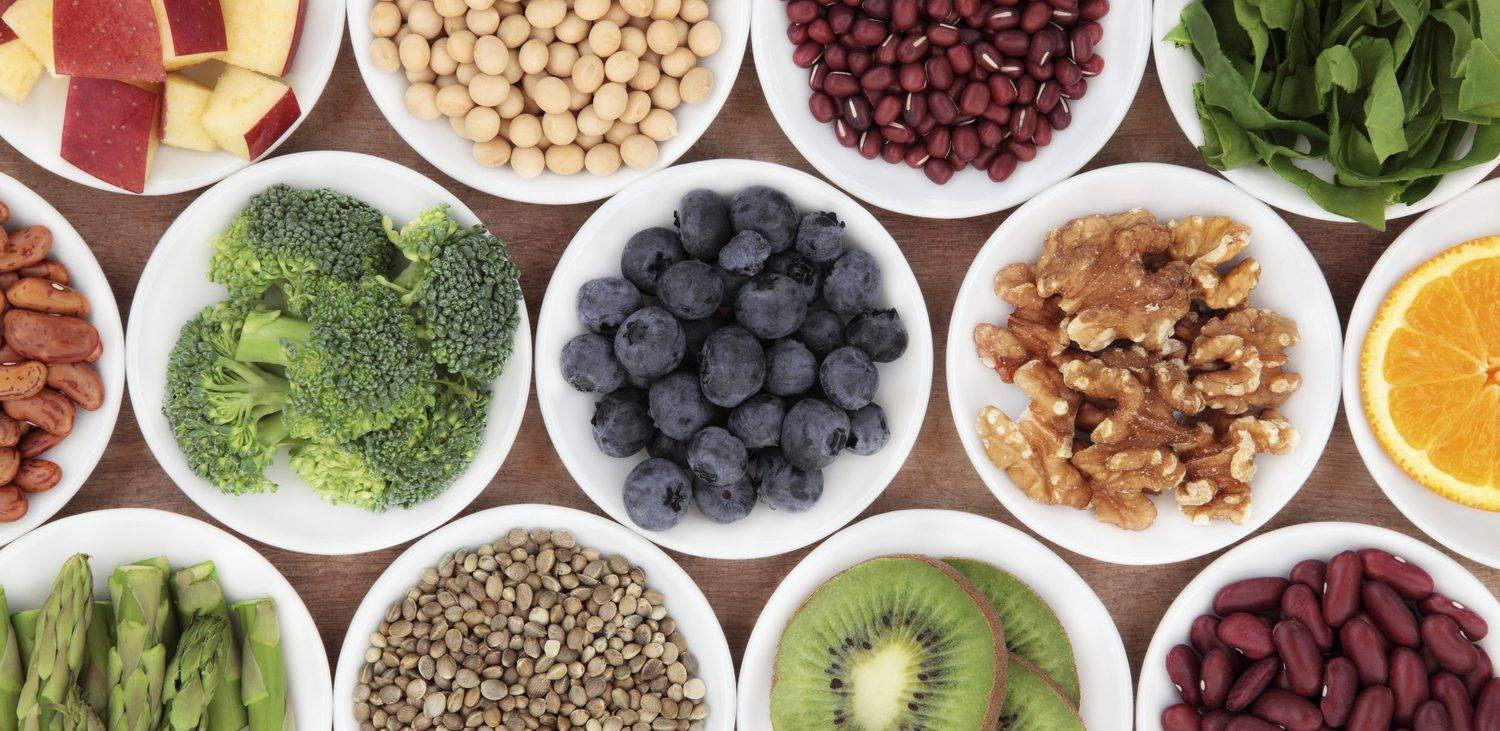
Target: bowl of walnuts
point(547, 101)
point(1148, 348)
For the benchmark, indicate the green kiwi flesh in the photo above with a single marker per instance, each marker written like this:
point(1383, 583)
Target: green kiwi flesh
point(1031, 629)
point(892, 644)
point(1034, 703)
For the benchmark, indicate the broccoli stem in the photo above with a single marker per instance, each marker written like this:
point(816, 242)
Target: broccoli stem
point(266, 334)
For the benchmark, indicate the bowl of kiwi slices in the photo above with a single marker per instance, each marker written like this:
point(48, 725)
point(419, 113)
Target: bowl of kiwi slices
point(934, 619)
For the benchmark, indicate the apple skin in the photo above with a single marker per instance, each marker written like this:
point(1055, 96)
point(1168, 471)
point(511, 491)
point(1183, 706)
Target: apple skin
point(194, 27)
point(7, 34)
point(273, 125)
point(107, 39)
point(291, 52)
point(109, 130)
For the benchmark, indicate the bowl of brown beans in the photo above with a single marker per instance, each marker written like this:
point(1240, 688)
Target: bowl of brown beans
point(949, 108)
point(1325, 625)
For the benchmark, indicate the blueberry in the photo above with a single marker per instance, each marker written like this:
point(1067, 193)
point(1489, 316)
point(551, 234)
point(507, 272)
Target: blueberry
point(868, 431)
point(813, 433)
point(852, 284)
point(605, 302)
point(703, 220)
point(716, 457)
point(732, 366)
point(820, 237)
point(770, 306)
point(677, 407)
point(732, 283)
point(822, 332)
point(791, 369)
point(726, 503)
point(656, 494)
point(589, 365)
point(757, 422)
point(807, 275)
point(784, 486)
point(745, 254)
point(879, 333)
point(650, 342)
point(766, 211)
point(621, 425)
point(648, 254)
point(695, 332)
point(690, 290)
point(672, 450)
point(849, 378)
point(638, 383)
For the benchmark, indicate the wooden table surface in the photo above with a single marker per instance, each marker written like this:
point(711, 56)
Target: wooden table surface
point(122, 231)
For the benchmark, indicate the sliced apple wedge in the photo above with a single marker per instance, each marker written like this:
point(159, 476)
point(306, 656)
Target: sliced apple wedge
point(19, 70)
point(110, 130)
point(107, 39)
point(249, 112)
point(192, 31)
point(6, 33)
point(31, 21)
point(182, 106)
point(263, 34)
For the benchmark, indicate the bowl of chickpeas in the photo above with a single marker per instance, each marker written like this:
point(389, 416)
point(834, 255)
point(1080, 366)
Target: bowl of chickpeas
point(549, 101)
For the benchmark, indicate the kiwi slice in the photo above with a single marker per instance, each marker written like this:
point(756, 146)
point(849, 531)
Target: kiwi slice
point(894, 643)
point(1034, 703)
point(1031, 629)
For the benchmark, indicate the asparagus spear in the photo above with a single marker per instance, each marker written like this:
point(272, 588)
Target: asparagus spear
point(264, 672)
point(25, 626)
point(138, 661)
point(167, 627)
point(12, 672)
point(199, 594)
point(75, 714)
point(94, 681)
point(193, 678)
point(61, 634)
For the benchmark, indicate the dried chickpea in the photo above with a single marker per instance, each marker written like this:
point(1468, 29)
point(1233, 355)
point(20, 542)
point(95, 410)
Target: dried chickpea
point(507, 9)
point(490, 55)
point(514, 104)
point(454, 101)
point(466, 73)
point(560, 58)
point(640, 24)
point(405, 6)
point(460, 127)
point(481, 4)
point(659, 125)
point(450, 8)
point(534, 56)
point(514, 31)
point(634, 40)
point(589, 123)
point(617, 15)
point(483, 22)
point(525, 130)
point(441, 62)
point(637, 8)
point(618, 132)
point(424, 20)
point(666, 9)
point(528, 162)
point(564, 159)
point(638, 151)
point(415, 53)
point(385, 55)
point(588, 74)
point(482, 124)
point(421, 101)
point(492, 154)
point(444, 82)
point(705, 38)
point(577, 100)
point(678, 62)
point(488, 90)
point(401, 35)
point(513, 70)
point(560, 129)
point(621, 66)
point(544, 35)
point(696, 85)
point(694, 11)
point(681, 28)
point(604, 39)
point(610, 100)
point(591, 10)
point(637, 106)
point(454, 25)
point(424, 76)
point(552, 95)
point(646, 77)
point(661, 37)
point(572, 29)
point(602, 159)
point(385, 19)
point(461, 45)
point(546, 13)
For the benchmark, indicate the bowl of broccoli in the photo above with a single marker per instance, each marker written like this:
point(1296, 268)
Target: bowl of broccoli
point(329, 353)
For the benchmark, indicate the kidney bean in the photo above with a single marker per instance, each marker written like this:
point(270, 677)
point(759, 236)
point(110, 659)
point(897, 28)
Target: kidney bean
point(1429, 661)
point(1385, 643)
point(1035, 16)
point(1299, 655)
point(1310, 573)
point(1473, 625)
point(1248, 634)
point(1448, 689)
point(1281, 681)
point(1181, 717)
point(1390, 613)
point(1001, 168)
point(1408, 579)
point(1217, 720)
point(1249, 595)
point(1372, 710)
point(1251, 684)
point(1287, 710)
point(1216, 676)
point(1341, 588)
point(1340, 681)
point(1476, 678)
point(1250, 723)
point(1487, 708)
point(1298, 602)
point(1361, 644)
point(823, 107)
point(1442, 635)
point(938, 171)
point(1408, 676)
point(1431, 716)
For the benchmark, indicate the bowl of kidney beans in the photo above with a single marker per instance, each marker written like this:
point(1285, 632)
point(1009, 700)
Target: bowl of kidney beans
point(944, 86)
point(1325, 625)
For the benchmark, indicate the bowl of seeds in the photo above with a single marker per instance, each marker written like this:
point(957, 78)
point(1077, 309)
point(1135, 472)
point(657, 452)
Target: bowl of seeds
point(534, 616)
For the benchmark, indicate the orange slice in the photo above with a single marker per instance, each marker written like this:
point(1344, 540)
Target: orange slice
point(1430, 374)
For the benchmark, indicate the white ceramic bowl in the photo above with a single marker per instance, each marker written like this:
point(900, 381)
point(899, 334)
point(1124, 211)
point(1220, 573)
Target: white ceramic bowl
point(1178, 71)
point(174, 287)
point(970, 193)
point(35, 127)
point(1466, 530)
point(852, 482)
point(685, 602)
point(1274, 554)
point(435, 140)
point(91, 429)
point(126, 535)
point(1290, 283)
point(1103, 670)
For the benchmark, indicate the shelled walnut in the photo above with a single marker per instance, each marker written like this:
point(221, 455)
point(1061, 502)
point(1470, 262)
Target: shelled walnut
point(1147, 370)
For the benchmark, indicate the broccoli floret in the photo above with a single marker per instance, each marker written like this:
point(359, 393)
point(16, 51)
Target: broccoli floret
point(287, 236)
point(355, 364)
point(338, 475)
point(420, 458)
point(465, 291)
point(223, 413)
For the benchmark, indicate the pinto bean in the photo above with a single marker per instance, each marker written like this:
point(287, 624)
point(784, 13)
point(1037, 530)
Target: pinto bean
point(49, 269)
point(37, 475)
point(49, 410)
point(10, 431)
point(21, 380)
point(50, 338)
point(36, 442)
point(10, 462)
point(12, 504)
point(79, 382)
point(25, 248)
point(45, 295)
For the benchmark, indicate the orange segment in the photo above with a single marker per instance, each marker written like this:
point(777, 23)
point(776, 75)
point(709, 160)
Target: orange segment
point(1415, 357)
point(1440, 311)
point(1420, 412)
point(1480, 283)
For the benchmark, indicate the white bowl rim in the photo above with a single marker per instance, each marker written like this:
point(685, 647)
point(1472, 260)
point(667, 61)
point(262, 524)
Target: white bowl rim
point(1402, 255)
point(826, 156)
point(403, 572)
point(105, 317)
point(550, 188)
point(520, 357)
point(1313, 436)
point(764, 638)
point(865, 221)
point(1173, 627)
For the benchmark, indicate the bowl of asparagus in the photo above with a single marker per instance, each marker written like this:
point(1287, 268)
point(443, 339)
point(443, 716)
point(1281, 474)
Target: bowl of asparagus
point(150, 621)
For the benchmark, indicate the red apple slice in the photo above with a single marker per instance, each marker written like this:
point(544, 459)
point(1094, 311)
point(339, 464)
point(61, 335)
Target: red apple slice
point(263, 34)
point(249, 112)
point(107, 39)
point(109, 130)
point(6, 33)
point(31, 21)
point(19, 70)
point(182, 107)
point(192, 31)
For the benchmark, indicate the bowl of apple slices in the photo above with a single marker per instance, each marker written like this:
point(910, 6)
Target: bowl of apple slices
point(155, 97)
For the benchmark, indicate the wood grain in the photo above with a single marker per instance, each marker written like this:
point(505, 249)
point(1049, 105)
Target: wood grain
point(122, 231)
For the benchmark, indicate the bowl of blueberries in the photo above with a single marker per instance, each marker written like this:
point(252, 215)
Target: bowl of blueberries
point(733, 358)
